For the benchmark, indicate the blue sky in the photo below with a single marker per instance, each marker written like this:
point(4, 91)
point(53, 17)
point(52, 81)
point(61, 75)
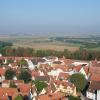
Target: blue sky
point(60, 16)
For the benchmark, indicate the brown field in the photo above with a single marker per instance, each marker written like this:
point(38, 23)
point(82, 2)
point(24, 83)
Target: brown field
point(48, 46)
point(37, 42)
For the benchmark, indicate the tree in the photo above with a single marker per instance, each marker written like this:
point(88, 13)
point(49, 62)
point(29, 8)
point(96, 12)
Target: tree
point(12, 84)
point(1, 62)
point(9, 74)
point(79, 81)
point(25, 75)
point(74, 98)
point(22, 63)
point(40, 85)
point(20, 51)
point(18, 98)
point(10, 60)
point(66, 53)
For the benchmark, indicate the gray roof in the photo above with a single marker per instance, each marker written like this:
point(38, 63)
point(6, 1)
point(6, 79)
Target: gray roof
point(43, 78)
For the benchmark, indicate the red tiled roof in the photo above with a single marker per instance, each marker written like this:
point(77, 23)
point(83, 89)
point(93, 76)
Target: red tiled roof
point(2, 71)
point(95, 77)
point(44, 97)
point(24, 88)
point(35, 73)
point(94, 70)
point(7, 91)
point(52, 96)
point(94, 86)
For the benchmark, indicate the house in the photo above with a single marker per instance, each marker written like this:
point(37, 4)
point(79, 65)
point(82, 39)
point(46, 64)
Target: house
point(55, 72)
point(31, 66)
point(6, 83)
point(93, 91)
point(2, 74)
point(67, 88)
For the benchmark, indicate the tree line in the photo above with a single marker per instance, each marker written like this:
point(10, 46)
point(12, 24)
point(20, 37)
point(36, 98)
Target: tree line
point(4, 44)
point(81, 54)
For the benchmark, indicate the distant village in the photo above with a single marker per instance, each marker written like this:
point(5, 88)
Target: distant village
point(49, 78)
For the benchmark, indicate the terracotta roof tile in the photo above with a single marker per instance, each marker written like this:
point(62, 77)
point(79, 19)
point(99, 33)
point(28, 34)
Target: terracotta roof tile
point(52, 96)
point(8, 91)
point(95, 77)
point(35, 73)
point(24, 88)
point(2, 71)
point(94, 86)
point(94, 70)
